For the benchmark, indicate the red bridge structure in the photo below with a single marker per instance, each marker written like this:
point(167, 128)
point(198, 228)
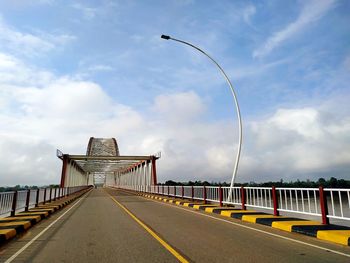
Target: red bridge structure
point(110, 208)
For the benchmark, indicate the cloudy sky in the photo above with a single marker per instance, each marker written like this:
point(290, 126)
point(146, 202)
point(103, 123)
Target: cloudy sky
point(70, 70)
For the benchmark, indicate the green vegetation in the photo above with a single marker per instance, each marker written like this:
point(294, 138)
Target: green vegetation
point(331, 183)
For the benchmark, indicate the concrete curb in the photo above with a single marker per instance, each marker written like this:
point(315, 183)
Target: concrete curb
point(332, 233)
point(10, 227)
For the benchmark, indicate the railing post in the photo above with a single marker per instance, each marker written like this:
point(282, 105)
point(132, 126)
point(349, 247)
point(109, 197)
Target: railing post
point(158, 189)
point(50, 194)
point(44, 196)
point(14, 203)
point(323, 205)
point(27, 200)
point(243, 198)
point(220, 196)
point(275, 201)
point(182, 192)
point(54, 196)
point(168, 191)
point(204, 194)
point(192, 192)
point(175, 191)
point(163, 189)
point(37, 197)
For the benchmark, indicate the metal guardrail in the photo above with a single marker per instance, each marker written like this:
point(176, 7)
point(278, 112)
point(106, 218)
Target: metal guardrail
point(339, 206)
point(327, 203)
point(17, 201)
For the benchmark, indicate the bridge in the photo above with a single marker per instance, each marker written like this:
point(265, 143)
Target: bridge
point(110, 208)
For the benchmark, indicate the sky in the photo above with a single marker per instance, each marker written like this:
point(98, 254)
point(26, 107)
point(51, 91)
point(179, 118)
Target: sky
point(71, 70)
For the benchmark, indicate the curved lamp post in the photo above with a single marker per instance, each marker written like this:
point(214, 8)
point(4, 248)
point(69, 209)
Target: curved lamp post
point(236, 104)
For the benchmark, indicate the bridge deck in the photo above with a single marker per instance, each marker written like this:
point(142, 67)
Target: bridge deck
point(99, 230)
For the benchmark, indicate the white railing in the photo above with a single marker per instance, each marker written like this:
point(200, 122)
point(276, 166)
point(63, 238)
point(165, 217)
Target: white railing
point(259, 197)
point(299, 200)
point(315, 202)
point(17, 201)
point(339, 203)
point(6, 200)
point(235, 199)
point(21, 200)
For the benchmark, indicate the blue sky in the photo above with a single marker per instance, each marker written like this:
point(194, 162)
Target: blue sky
point(74, 69)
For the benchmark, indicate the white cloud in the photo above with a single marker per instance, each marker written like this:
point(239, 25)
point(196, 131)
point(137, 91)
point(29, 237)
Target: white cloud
point(28, 44)
point(299, 143)
point(179, 107)
point(62, 112)
point(248, 12)
point(311, 12)
point(15, 72)
point(88, 12)
point(50, 113)
point(304, 121)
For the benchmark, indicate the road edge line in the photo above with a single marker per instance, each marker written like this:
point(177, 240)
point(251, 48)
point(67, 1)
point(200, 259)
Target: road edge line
point(43, 231)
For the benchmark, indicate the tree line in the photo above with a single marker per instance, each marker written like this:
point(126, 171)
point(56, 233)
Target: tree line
point(25, 187)
point(330, 183)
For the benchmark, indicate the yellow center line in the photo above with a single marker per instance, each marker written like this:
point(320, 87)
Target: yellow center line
point(151, 232)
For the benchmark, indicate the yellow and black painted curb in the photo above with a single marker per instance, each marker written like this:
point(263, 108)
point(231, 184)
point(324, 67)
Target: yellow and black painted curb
point(13, 225)
point(332, 233)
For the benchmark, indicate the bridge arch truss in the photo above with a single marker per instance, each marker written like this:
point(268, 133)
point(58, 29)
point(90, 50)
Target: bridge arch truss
point(103, 160)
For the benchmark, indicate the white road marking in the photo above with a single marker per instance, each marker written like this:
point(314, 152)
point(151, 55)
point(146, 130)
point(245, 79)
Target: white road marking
point(42, 232)
point(251, 228)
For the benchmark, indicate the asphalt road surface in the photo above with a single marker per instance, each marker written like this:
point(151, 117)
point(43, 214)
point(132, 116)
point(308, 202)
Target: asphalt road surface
point(98, 229)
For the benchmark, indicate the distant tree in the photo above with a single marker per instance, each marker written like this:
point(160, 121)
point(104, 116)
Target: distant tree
point(321, 181)
point(333, 182)
point(170, 182)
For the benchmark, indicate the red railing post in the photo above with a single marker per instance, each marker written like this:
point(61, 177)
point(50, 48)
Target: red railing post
point(37, 197)
point(54, 196)
point(220, 195)
point(14, 203)
point(27, 200)
point(323, 205)
point(243, 198)
point(44, 196)
point(204, 194)
point(182, 192)
point(275, 201)
point(192, 192)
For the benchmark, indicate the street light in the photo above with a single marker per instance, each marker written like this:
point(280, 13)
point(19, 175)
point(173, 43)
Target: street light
point(236, 104)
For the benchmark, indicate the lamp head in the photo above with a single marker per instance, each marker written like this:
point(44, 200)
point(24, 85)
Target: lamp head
point(165, 37)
